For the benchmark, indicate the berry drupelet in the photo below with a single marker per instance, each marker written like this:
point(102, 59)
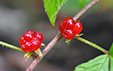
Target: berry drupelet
point(69, 28)
point(31, 41)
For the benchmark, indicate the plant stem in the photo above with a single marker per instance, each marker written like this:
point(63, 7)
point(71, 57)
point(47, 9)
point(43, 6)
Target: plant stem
point(58, 37)
point(85, 9)
point(92, 44)
point(10, 46)
point(44, 52)
point(51, 44)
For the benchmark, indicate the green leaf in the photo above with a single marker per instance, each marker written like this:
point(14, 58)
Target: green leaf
point(111, 63)
point(99, 63)
point(111, 57)
point(52, 7)
point(111, 50)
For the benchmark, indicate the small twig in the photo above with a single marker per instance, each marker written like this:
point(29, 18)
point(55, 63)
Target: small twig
point(92, 44)
point(10, 46)
point(58, 37)
point(85, 9)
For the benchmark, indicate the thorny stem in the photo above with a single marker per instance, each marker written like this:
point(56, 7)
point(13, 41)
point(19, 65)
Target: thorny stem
point(85, 9)
point(92, 44)
point(10, 46)
point(51, 44)
point(58, 37)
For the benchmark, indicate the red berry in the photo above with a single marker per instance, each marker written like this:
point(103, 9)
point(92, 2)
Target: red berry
point(31, 41)
point(68, 34)
point(77, 27)
point(68, 22)
point(69, 28)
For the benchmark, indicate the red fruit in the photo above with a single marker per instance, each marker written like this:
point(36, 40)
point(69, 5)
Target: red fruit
point(68, 34)
point(69, 28)
point(77, 27)
point(68, 22)
point(31, 41)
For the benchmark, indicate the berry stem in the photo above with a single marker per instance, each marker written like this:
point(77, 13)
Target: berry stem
point(85, 9)
point(51, 44)
point(92, 44)
point(10, 46)
point(44, 52)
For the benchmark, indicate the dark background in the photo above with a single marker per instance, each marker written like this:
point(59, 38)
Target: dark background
point(18, 16)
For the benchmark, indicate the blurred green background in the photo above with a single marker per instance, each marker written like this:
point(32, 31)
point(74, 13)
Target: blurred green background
point(18, 16)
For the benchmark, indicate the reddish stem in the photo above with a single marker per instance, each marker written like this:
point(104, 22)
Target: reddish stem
point(52, 43)
point(85, 9)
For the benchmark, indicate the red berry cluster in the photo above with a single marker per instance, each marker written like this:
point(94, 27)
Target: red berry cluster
point(31, 41)
point(69, 28)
